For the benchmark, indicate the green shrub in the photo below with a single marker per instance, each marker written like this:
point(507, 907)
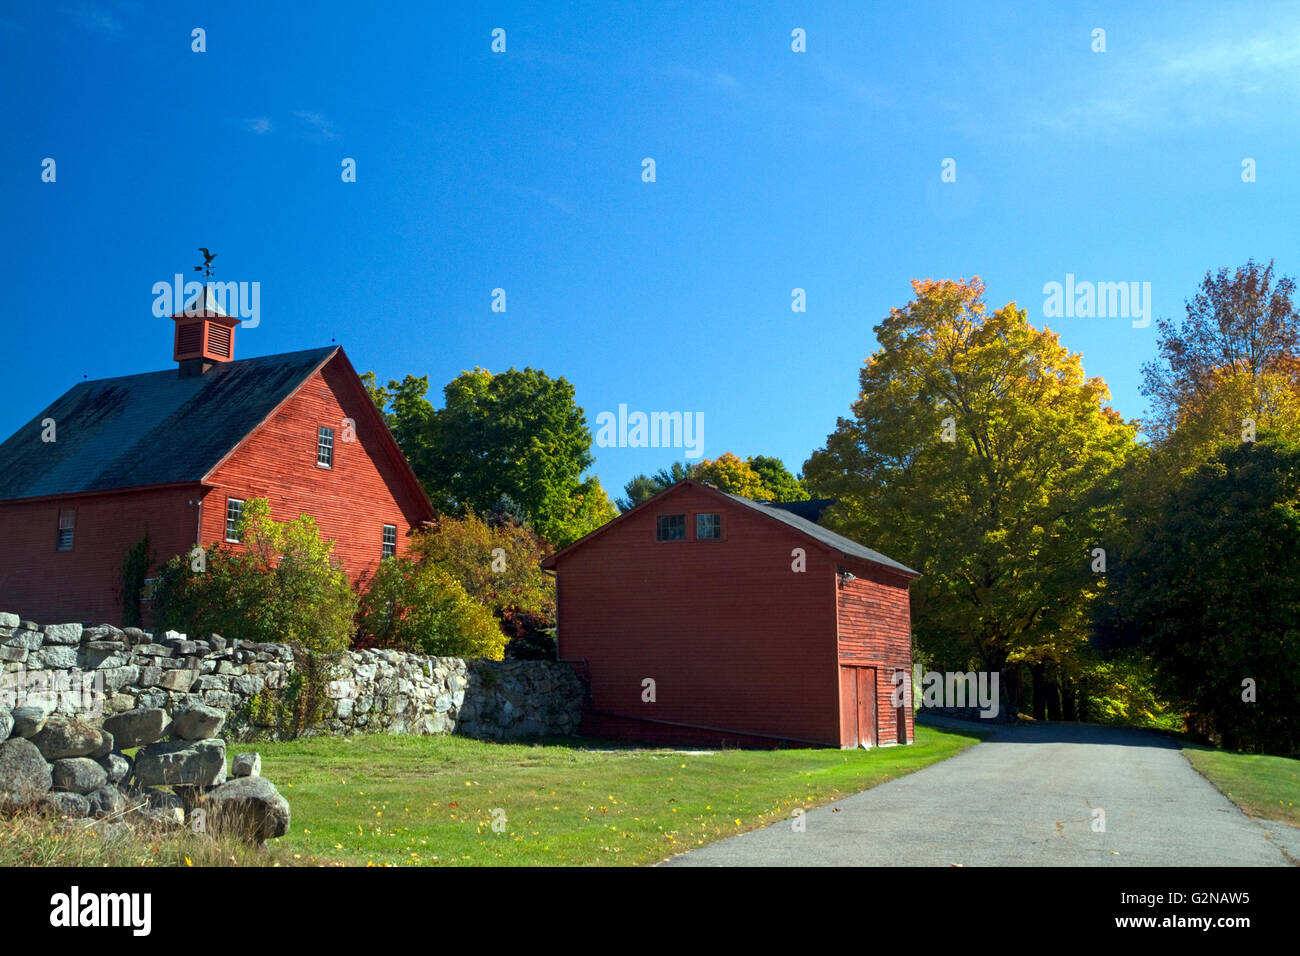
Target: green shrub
point(135, 566)
point(293, 710)
point(282, 585)
point(421, 607)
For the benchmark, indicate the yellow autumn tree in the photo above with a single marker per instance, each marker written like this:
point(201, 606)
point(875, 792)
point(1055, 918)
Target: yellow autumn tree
point(733, 475)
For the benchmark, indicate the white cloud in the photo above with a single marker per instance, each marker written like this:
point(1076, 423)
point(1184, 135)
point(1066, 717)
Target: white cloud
point(320, 126)
point(259, 124)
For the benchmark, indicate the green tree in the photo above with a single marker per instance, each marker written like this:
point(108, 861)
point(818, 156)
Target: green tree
point(979, 454)
point(644, 487)
point(1212, 592)
point(778, 483)
point(517, 433)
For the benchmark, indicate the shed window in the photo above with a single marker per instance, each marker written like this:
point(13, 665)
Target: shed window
point(708, 526)
point(325, 447)
point(672, 527)
point(390, 540)
point(234, 510)
point(67, 529)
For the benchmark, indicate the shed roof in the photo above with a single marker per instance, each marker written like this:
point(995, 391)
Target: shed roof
point(824, 535)
point(777, 511)
point(151, 429)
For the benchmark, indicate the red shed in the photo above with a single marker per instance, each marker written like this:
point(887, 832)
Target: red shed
point(704, 617)
point(178, 452)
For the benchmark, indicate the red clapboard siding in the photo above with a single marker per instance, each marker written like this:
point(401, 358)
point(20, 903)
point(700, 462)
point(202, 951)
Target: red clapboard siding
point(351, 501)
point(875, 629)
point(736, 641)
point(51, 586)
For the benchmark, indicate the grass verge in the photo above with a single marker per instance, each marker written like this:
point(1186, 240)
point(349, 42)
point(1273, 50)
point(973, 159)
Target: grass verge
point(398, 800)
point(35, 840)
point(1261, 785)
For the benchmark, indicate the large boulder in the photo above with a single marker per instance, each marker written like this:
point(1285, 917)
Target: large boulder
point(192, 763)
point(138, 727)
point(63, 737)
point(197, 722)
point(24, 774)
point(78, 775)
point(249, 807)
point(29, 720)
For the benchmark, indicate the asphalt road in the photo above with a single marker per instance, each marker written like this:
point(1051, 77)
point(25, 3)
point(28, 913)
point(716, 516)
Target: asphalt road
point(1025, 796)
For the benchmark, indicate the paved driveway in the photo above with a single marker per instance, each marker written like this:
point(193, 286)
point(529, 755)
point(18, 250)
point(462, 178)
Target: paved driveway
point(1024, 796)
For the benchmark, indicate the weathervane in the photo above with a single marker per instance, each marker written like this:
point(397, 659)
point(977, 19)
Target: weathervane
point(206, 268)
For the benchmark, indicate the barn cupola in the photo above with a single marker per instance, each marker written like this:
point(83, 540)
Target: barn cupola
point(205, 335)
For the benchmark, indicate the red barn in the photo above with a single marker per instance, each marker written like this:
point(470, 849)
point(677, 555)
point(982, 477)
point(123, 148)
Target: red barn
point(178, 452)
point(700, 616)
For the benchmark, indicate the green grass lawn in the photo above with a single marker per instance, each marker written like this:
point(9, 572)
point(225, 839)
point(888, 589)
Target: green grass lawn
point(428, 801)
point(1261, 785)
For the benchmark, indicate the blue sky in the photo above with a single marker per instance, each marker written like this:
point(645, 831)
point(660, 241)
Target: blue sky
point(522, 170)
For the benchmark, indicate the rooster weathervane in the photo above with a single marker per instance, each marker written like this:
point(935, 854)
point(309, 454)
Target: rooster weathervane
point(206, 268)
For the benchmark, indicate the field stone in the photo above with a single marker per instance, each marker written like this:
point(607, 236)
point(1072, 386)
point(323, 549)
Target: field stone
point(27, 639)
point(24, 774)
point(195, 763)
point(8, 619)
point(63, 634)
point(163, 818)
point(106, 801)
point(6, 723)
point(64, 737)
point(136, 728)
point(69, 806)
point(246, 765)
point(78, 775)
point(29, 720)
point(178, 679)
point(55, 658)
point(117, 766)
point(197, 722)
point(105, 746)
point(250, 807)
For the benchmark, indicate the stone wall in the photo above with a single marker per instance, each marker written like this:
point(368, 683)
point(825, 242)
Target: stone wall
point(96, 672)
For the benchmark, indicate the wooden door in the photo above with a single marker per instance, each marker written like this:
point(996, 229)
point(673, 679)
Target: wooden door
point(858, 707)
point(866, 706)
point(848, 707)
point(900, 719)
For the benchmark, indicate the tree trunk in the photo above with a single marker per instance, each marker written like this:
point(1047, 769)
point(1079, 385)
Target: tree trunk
point(1069, 710)
point(1053, 701)
point(1039, 678)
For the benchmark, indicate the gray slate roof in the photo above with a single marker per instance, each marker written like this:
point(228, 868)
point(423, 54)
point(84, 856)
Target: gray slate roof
point(824, 535)
point(150, 429)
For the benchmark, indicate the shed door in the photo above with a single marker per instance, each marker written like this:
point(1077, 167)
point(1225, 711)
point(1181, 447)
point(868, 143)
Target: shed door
point(858, 706)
